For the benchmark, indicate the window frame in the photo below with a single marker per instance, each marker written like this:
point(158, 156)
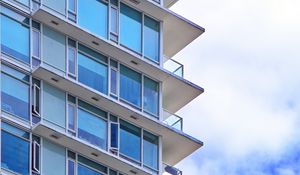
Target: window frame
point(34, 144)
point(34, 103)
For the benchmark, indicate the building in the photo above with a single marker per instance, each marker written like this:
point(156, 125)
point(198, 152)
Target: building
point(88, 87)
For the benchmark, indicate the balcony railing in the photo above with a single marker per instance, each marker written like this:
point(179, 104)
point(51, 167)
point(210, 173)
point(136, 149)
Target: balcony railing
point(173, 120)
point(167, 169)
point(174, 67)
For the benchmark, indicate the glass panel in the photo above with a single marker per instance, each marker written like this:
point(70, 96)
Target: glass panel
point(12, 31)
point(15, 153)
point(36, 25)
point(92, 15)
point(54, 158)
point(71, 167)
point(113, 81)
point(114, 20)
point(114, 131)
point(92, 164)
point(114, 2)
point(36, 153)
point(71, 114)
point(71, 60)
point(151, 39)
point(131, 28)
point(15, 96)
point(83, 170)
point(24, 2)
point(92, 109)
point(92, 129)
point(14, 73)
point(92, 53)
point(130, 140)
point(151, 96)
point(36, 43)
point(72, 5)
point(150, 154)
point(54, 103)
point(57, 5)
point(92, 73)
point(71, 99)
point(15, 131)
point(130, 86)
point(54, 48)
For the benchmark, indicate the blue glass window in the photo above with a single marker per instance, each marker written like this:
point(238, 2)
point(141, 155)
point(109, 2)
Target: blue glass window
point(114, 135)
point(24, 2)
point(83, 170)
point(12, 31)
point(92, 73)
point(131, 28)
point(84, 164)
point(15, 150)
point(92, 129)
point(130, 140)
point(15, 93)
point(151, 39)
point(151, 96)
point(130, 86)
point(150, 155)
point(93, 15)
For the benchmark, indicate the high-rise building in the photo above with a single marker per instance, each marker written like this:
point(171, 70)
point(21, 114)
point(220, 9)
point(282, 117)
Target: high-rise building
point(88, 87)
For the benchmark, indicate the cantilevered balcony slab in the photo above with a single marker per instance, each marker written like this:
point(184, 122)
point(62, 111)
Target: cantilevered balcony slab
point(173, 140)
point(177, 91)
point(84, 148)
point(178, 31)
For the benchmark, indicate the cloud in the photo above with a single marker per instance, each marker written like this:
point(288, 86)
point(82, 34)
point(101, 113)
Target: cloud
point(248, 62)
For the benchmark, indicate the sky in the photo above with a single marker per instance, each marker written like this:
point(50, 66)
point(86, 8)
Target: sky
point(248, 62)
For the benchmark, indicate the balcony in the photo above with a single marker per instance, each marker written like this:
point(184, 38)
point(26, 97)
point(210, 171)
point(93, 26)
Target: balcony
point(175, 67)
point(173, 120)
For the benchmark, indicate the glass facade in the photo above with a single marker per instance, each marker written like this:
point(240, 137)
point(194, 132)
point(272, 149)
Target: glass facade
point(14, 27)
point(93, 16)
point(14, 149)
point(15, 92)
point(151, 96)
point(130, 86)
point(150, 150)
point(151, 39)
point(131, 28)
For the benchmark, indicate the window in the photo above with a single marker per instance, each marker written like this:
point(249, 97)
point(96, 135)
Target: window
point(72, 10)
point(14, 27)
point(130, 86)
point(93, 16)
point(36, 100)
point(92, 128)
point(35, 4)
point(113, 78)
point(71, 163)
point(71, 117)
point(151, 39)
point(14, 149)
point(36, 44)
point(151, 96)
point(15, 92)
point(130, 141)
point(91, 71)
point(72, 56)
point(114, 20)
point(131, 28)
point(150, 150)
point(114, 135)
point(36, 149)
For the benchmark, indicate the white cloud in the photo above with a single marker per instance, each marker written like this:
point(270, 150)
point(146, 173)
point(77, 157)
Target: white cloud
point(248, 62)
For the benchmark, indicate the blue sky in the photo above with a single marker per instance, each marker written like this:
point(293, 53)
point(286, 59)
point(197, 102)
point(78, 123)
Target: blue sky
point(248, 62)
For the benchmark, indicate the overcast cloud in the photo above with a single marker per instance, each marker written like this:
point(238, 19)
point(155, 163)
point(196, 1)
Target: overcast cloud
point(248, 62)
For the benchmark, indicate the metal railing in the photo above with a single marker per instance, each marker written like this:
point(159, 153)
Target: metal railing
point(174, 67)
point(173, 120)
point(171, 170)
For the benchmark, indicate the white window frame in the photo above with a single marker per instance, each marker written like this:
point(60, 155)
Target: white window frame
point(34, 30)
point(114, 149)
point(35, 143)
point(75, 119)
point(71, 11)
point(75, 61)
point(36, 113)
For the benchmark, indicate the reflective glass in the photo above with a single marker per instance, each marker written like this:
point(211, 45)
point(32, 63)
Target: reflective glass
point(113, 81)
point(36, 43)
point(15, 153)
point(72, 5)
point(151, 96)
point(24, 2)
point(92, 129)
point(93, 15)
point(15, 96)
point(130, 140)
point(12, 31)
point(131, 28)
point(71, 60)
point(71, 118)
point(92, 164)
point(83, 170)
point(92, 73)
point(114, 20)
point(114, 132)
point(71, 167)
point(151, 39)
point(130, 86)
point(150, 155)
